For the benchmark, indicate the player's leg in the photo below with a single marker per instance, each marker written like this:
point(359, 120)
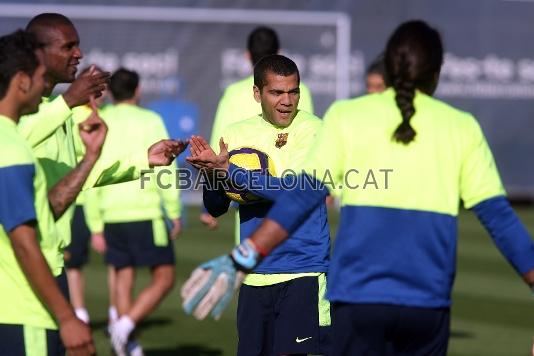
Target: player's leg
point(124, 288)
point(149, 298)
point(113, 314)
point(76, 292)
point(118, 256)
point(149, 245)
point(421, 331)
point(76, 256)
point(255, 320)
point(303, 317)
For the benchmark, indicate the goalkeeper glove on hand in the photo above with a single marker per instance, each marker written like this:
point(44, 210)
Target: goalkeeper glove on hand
point(211, 286)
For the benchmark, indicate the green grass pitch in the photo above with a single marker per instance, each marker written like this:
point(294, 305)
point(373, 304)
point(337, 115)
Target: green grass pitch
point(492, 314)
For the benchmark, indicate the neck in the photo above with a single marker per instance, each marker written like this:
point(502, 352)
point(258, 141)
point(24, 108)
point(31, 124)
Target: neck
point(9, 110)
point(50, 84)
point(131, 101)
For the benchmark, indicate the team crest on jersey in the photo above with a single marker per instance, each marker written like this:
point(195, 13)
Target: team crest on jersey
point(281, 140)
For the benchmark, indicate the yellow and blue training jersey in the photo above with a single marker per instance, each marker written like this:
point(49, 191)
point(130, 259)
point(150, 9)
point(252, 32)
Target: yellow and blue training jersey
point(396, 243)
point(308, 248)
point(50, 133)
point(23, 199)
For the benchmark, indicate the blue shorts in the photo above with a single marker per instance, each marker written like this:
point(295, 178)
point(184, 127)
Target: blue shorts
point(283, 318)
point(387, 330)
point(77, 253)
point(138, 244)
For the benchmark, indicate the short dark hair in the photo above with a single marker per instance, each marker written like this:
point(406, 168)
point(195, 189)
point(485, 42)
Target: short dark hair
point(17, 54)
point(262, 41)
point(274, 63)
point(46, 20)
point(123, 84)
point(378, 66)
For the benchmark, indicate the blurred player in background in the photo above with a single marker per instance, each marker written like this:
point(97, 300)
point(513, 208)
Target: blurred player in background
point(375, 76)
point(281, 308)
point(34, 303)
point(237, 104)
point(393, 266)
point(130, 214)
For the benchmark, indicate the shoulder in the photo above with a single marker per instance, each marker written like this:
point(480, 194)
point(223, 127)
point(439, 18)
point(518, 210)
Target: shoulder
point(15, 150)
point(306, 120)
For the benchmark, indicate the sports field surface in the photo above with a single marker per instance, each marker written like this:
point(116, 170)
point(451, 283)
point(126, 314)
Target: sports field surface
point(493, 311)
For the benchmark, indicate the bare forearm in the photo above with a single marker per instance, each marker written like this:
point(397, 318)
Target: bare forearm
point(36, 270)
point(269, 235)
point(66, 190)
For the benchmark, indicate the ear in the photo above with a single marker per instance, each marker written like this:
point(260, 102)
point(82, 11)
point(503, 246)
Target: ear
point(23, 81)
point(257, 94)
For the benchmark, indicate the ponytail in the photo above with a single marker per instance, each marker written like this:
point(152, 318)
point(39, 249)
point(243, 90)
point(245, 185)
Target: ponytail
point(413, 58)
point(404, 95)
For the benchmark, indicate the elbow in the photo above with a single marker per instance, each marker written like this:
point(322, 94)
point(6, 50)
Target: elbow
point(216, 211)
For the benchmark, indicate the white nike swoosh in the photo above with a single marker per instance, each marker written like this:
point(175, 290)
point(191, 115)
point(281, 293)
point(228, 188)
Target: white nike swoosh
point(298, 341)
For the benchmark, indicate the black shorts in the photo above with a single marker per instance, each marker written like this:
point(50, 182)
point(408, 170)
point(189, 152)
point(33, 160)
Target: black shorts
point(77, 253)
point(285, 318)
point(381, 329)
point(21, 340)
point(138, 244)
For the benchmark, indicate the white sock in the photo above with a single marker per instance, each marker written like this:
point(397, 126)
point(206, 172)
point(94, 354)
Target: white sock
point(112, 314)
point(82, 314)
point(123, 327)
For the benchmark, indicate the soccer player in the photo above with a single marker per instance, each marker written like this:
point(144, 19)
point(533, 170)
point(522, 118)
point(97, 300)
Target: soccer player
point(50, 130)
point(131, 215)
point(393, 265)
point(375, 76)
point(34, 303)
point(281, 309)
point(237, 104)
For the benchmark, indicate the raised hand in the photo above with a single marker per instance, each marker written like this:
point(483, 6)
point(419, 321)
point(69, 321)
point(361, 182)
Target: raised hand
point(163, 152)
point(203, 156)
point(93, 132)
point(89, 84)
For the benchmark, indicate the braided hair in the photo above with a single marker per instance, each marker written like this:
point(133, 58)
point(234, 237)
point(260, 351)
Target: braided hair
point(414, 55)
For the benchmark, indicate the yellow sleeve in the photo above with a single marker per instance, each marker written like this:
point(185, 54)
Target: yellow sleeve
point(117, 166)
point(91, 209)
point(37, 127)
point(479, 177)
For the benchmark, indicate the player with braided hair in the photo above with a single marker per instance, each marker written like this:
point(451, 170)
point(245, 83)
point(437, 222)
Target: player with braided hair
point(393, 265)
